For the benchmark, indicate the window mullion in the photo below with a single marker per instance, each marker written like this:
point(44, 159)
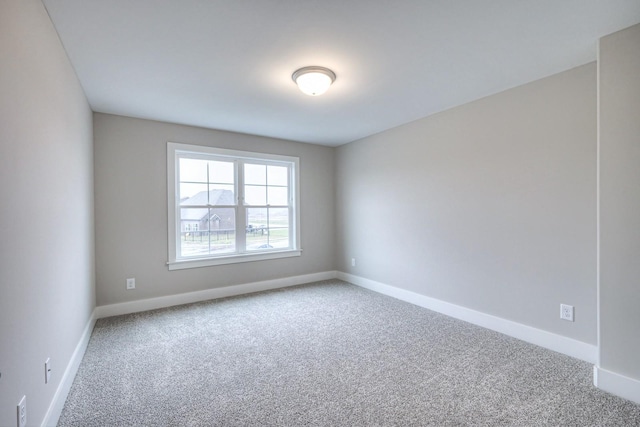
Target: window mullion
point(241, 214)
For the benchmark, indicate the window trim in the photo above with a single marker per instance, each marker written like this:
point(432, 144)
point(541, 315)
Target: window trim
point(173, 150)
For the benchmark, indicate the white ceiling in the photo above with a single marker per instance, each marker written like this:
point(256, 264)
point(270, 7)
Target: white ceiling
point(227, 64)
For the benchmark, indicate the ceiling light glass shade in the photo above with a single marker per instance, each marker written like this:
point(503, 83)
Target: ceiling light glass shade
point(314, 81)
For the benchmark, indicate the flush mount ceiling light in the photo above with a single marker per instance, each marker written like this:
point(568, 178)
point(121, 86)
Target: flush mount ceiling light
point(314, 81)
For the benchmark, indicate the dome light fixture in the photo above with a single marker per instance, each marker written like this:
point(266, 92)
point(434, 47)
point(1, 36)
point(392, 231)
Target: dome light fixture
point(314, 80)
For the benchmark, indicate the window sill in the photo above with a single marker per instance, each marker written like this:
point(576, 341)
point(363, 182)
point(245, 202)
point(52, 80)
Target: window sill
point(231, 259)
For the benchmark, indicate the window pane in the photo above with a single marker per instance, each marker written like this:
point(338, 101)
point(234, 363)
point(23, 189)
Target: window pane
point(279, 238)
point(193, 170)
point(279, 228)
point(194, 236)
point(193, 194)
point(198, 195)
point(257, 229)
point(222, 219)
point(222, 234)
point(221, 195)
point(256, 218)
point(278, 196)
point(277, 175)
point(221, 172)
point(207, 231)
point(255, 174)
point(193, 219)
point(255, 195)
point(278, 217)
point(267, 228)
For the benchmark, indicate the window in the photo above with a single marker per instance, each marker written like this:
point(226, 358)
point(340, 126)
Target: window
point(228, 206)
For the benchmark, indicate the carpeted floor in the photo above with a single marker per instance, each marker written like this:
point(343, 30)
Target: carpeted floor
point(325, 354)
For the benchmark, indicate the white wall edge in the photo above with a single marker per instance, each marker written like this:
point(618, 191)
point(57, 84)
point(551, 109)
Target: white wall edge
point(551, 341)
point(60, 396)
point(617, 384)
point(208, 294)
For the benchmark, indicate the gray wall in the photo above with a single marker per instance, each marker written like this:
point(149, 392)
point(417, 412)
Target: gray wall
point(619, 156)
point(46, 213)
point(491, 205)
point(131, 210)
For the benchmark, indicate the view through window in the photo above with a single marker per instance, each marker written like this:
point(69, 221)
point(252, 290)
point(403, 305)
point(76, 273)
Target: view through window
point(229, 203)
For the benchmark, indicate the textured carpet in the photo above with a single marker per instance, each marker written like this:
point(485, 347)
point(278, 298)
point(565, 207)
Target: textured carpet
point(325, 354)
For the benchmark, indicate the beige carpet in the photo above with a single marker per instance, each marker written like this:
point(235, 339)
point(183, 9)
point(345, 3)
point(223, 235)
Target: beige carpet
point(325, 354)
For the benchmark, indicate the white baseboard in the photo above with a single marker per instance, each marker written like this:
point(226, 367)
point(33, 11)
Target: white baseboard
point(60, 396)
point(617, 384)
point(191, 297)
point(559, 343)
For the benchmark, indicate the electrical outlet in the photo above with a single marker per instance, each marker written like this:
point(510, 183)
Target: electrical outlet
point(566, 312)
point(47, 370)
point(131, 283)
point(353, 262)
point(22, 412)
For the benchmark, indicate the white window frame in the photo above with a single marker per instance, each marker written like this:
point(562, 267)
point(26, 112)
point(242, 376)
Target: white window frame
point(174, 151)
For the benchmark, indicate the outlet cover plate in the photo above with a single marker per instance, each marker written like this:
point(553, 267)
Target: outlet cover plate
point(22, 412)
point(566, 312)
point(47, 371)
point(131, 283)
